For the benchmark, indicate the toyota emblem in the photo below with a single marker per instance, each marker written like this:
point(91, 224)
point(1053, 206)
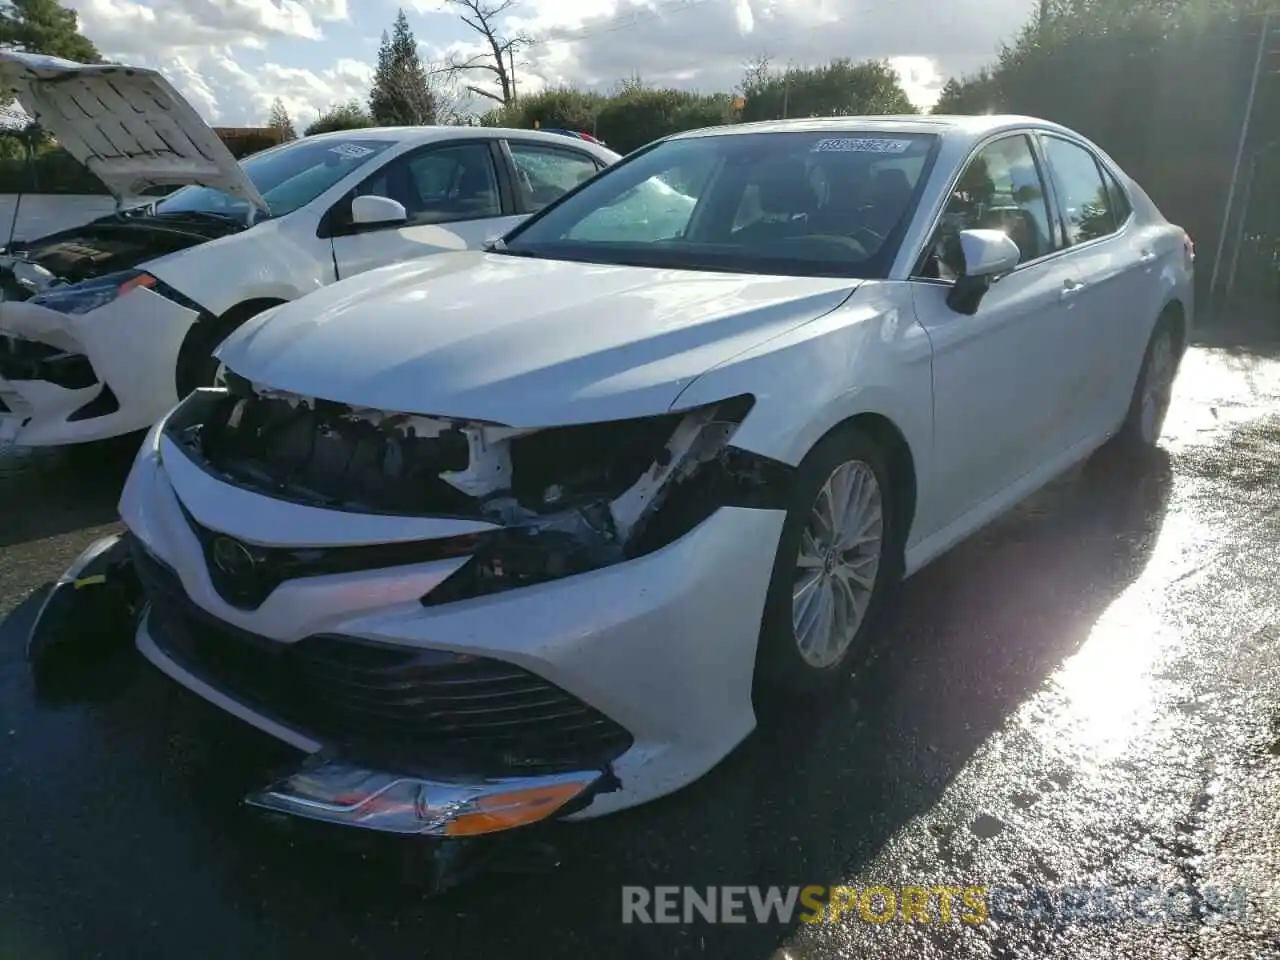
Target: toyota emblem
point(232, 557)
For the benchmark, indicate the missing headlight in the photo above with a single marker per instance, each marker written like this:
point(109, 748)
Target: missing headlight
point(566, 500)
point(688, 477)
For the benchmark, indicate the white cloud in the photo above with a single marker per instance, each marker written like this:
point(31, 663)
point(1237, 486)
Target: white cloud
point(232, 57)
point(129, 27)
point(703, 44)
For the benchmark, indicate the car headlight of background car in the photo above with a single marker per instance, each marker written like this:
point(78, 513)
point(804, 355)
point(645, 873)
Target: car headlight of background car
point(79, 298)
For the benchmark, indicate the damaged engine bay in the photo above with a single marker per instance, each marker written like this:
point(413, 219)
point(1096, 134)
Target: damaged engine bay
point(565, 499)
point(104, 246)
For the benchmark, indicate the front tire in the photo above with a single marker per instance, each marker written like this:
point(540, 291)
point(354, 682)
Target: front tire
point(197, 366)
point(837, 557)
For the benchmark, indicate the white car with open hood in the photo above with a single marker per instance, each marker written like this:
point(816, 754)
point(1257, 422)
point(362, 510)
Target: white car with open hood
point(105, 326)
point(531, 532)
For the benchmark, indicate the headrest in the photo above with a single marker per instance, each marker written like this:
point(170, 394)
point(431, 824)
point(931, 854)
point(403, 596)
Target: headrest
point(892, 183)
point(785, 189)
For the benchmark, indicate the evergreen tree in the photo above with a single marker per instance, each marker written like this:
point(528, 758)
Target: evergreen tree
point(45, 26)
point(401, 93)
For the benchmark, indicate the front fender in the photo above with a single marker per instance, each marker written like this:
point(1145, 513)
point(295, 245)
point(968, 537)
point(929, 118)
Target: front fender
point(869, 356)
point(276, 260)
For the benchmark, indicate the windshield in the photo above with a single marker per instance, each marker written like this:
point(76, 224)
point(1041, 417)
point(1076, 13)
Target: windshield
point(288, 177)
point(833, 203)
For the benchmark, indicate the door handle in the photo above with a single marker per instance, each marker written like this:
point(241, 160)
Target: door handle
point(1070, 288)
point(1147, 256)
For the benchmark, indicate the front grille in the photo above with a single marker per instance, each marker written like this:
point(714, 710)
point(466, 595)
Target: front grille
point(245, 574)
point(30, 360)
point(469, 713)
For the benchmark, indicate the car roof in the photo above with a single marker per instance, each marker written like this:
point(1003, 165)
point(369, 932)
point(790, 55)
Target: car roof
point(426, 134)
point(952, 127)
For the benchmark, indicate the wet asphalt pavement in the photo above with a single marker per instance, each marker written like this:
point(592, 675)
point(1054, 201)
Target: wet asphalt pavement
point(1087, 696)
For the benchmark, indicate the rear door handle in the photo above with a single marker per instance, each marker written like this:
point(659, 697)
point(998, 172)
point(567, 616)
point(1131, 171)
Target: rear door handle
point(1147, 256)
point(1070, 288)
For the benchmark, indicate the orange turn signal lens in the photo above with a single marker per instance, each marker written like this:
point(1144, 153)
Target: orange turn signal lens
point(518, 808)
point(141, 280)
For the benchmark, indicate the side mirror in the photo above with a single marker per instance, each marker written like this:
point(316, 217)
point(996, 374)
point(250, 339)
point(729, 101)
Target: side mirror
point(367, 211)
point(988, 255)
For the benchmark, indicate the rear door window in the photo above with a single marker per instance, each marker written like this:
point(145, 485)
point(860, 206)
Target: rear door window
point(545, 174)
point(1086, 199)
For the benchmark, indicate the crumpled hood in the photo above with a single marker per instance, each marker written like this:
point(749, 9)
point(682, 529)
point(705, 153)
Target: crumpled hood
point(516, 341)
point(127, 125)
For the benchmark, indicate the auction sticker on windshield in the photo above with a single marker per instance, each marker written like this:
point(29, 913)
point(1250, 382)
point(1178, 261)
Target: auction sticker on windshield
point(860, 145)
point(352, 151)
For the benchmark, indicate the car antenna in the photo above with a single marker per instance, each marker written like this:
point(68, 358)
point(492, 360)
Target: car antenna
point(27, 136)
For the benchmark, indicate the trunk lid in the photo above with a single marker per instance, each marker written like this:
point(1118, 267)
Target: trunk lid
point(127, 125)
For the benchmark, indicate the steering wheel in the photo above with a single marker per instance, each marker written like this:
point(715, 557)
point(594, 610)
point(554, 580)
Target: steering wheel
point(836, 240)
point(877, 238)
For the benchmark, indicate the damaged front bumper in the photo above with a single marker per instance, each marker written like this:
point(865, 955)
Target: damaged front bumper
point(71, 378)
point(565, 642)
point(95, 603)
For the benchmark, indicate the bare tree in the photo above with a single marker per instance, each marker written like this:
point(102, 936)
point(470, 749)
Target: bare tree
point(756, 72)
point(483, 17)
point(450, 100)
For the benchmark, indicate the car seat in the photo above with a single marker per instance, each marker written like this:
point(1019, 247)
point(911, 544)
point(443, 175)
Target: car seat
point(890, 193)
point(786, 199)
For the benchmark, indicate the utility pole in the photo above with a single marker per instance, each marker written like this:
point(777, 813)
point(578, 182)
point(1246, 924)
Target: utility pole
point(1240, 145)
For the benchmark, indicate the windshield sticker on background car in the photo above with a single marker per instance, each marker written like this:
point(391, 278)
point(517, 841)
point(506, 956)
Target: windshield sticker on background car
point(860, 145)
point(351, 151)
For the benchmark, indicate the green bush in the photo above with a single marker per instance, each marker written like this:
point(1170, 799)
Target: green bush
point(53, 171)
point(57, 172)
point(640, 116)
point(564, 108)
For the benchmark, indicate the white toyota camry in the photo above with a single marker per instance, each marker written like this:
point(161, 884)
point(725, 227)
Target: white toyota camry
point(104, 327)
point(531, 532)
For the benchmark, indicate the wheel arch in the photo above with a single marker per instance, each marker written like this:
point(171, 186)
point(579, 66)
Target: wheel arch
point(901, 461)
point(207, 327)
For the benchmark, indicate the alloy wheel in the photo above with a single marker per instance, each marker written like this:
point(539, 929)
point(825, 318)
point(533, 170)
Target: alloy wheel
point(837, 564)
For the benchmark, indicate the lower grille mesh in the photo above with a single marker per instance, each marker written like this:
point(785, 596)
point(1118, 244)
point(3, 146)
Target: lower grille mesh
point(473, 712)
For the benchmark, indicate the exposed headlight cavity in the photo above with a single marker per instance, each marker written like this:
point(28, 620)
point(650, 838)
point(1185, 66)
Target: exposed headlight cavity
point(565, 499)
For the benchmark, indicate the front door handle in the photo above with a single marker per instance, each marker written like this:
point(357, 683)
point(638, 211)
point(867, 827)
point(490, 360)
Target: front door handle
point(1070, 288)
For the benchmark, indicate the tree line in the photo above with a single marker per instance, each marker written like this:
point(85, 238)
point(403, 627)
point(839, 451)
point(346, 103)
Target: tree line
point(1160, 84)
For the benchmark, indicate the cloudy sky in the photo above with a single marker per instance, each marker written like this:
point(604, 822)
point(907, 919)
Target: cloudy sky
point(232, 57)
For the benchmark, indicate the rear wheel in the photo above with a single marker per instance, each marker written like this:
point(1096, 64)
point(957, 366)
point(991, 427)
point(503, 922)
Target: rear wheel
point(836, 558)
point(1153, 391)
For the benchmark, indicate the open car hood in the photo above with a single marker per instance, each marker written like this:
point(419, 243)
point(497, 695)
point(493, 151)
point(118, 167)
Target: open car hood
point(519, 342)
point(127, 125)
